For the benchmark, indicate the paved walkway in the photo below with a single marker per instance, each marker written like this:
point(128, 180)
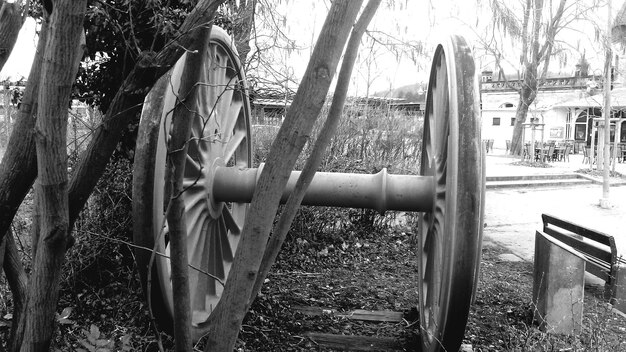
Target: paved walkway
point(499, 164)
point(513, 215)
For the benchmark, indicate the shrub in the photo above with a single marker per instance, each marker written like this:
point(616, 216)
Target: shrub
point(104, 224)
point(366, 141)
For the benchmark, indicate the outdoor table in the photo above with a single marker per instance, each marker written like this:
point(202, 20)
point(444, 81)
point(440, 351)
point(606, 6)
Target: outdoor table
point(558, 153)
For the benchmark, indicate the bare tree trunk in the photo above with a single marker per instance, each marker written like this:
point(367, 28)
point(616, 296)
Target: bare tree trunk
point(294, 133)
point(11, 21)
point(18, 282)
point(527, 96)
point(534, 53)
point(7, 113)
point(18, 168)
point(324, 137)
point(184, 114)
point(604, 201)
point(59, 70)
point(242, 27)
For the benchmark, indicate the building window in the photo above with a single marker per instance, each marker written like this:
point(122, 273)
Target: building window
point(512, 121)
point(496, 121)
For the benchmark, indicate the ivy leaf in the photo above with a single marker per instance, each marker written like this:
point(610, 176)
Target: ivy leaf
point(63, 317)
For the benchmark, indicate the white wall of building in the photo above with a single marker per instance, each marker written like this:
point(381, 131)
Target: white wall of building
point(503, 105)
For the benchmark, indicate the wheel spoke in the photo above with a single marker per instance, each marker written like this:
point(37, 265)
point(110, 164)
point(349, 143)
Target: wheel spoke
point(194, 196)
point(196, 249)
point(429, 154)
point(192, 165)
point(232, 116)
point(227, 254)
point(190, 182)
point(233, 144)
point(230, 222)
point(196, 228)
point(238, 212)
point(441, 110)
point(215, 265)
point(226, 98)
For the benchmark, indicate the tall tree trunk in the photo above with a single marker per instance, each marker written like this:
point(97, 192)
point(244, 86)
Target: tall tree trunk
point(11, 21)
point(242, 27)
point(59, 70)
point(18, 170)
point(291, 138)
point(184, 115)
point(18, 282)
point(527, 97)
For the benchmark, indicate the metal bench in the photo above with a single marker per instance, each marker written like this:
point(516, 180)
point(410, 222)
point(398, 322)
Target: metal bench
point(597, 248)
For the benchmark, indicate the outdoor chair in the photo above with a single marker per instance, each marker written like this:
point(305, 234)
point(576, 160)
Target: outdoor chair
point(528, 152)
point(611, 154)
point(489, 145)
point(585, 155)
point(565, 155)
point(550, 155)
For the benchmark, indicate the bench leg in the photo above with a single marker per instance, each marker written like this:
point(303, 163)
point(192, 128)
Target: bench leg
point(619, 302)
point(558, 288)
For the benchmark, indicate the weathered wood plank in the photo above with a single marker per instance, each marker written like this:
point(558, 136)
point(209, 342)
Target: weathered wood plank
point(358, 314)
point(356, 343)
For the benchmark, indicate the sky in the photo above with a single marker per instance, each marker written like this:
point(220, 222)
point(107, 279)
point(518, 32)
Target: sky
point(21, 58)
point(414, 21)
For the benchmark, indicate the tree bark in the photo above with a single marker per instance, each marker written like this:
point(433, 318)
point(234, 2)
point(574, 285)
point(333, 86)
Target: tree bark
point(18, 168)
point(184, 114)
point(18, 282)
point(527, 96)
point(11, 21)
point(59, 70)
point(295, 132)
point(242, 27)
point(315, 159)
point(532, 55)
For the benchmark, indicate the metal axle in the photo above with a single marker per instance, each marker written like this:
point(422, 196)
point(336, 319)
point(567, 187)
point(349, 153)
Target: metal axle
point(380, 191)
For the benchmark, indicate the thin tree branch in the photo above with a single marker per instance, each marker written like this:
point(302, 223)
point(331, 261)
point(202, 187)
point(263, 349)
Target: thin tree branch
point(324, 137)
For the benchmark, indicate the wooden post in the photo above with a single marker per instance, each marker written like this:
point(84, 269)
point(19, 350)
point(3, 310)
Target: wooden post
point(558, 288)
point(620, 288)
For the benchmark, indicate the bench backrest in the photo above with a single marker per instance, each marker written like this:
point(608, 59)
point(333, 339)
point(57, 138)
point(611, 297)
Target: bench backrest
point(598, 247)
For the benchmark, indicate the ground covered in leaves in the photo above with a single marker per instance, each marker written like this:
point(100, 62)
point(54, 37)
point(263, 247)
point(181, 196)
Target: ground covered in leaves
point(358, 261)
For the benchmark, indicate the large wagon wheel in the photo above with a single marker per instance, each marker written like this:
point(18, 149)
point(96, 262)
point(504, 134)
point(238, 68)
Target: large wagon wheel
point(220, 136)
point(450, 234)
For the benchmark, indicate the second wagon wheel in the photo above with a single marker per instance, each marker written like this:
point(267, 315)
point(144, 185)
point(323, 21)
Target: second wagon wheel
point(450, 235)
point(220, 136)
